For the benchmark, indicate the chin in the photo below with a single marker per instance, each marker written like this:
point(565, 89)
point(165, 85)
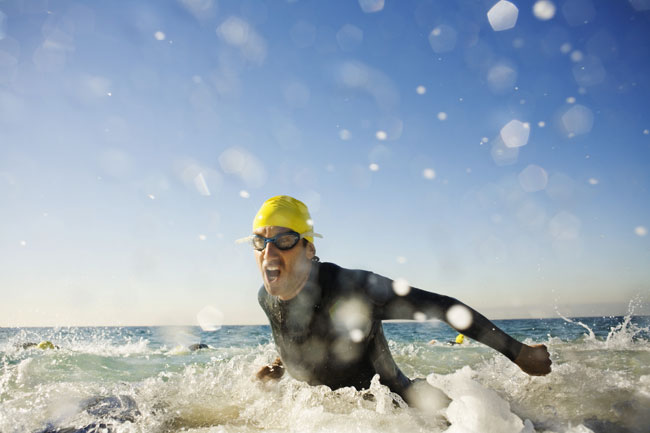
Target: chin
point(273, 290)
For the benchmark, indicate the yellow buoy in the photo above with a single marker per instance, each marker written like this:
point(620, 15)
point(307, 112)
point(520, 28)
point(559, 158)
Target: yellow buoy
point(460, 338)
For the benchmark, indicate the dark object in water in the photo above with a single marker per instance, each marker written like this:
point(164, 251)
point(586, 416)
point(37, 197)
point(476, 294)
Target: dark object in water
point(27, 345)
point(91, 428)
point(197, 346)
point(118, 409)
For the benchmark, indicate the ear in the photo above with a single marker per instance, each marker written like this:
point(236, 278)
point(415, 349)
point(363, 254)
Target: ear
point(310, 250)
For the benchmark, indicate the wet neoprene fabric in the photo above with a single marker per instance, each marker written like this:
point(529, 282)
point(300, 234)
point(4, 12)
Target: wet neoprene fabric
point(331, 332)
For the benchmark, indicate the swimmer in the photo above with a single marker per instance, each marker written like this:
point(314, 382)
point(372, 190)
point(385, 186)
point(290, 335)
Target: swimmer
point(326, 320)
point(460, 339)
point(197, 346)
point(43, 345)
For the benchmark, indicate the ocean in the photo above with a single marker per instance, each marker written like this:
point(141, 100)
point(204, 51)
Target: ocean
point(145, 379)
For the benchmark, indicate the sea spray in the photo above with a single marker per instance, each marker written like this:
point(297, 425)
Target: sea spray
point(598, 384)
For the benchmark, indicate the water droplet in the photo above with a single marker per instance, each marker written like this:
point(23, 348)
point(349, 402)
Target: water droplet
point(577, 56)
point(578, 120)
point(533, 178)
point(419, 316)
point(401, 287)
point(381, 135)
point(245, 165)
point(429, 173)
point(244, 194)
point(350, 315)
point(565, 226)
point(578, 12)
point(571, 100)
point(201, 185)
point(443, 39)
point(202, 237)
point(541, 124)
point(356, 335)
point(349, 37)
point(234, 31)
point(159, 35)
point(565, 48)
point(503, 16)
point(401, 260)
point(23, 243)
point(421, 90)
point(589, 72)
point(515, 133)
point(459, 317)
point(442, 116)
point(373, 167)
point(371, 6)
point(210, 318)
point(151, 196)
point(501, 77)
point(640, 231)
point(544, 10)
point(344, 134)
point(640, 5)
point(593, 181)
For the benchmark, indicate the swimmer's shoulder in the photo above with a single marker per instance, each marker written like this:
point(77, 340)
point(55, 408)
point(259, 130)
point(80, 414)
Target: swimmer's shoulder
point(264, 299)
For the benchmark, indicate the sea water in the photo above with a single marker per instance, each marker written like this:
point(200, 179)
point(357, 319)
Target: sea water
point(145, 379)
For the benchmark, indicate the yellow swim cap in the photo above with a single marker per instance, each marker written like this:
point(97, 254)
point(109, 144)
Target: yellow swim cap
point(285, 211)
point(460, 338)
point(45, 345)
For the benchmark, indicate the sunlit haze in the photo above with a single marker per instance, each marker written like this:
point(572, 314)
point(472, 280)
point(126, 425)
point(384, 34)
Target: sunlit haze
point(494, 151)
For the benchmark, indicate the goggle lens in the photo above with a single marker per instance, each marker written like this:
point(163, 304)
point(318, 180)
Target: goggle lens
point(283, 241)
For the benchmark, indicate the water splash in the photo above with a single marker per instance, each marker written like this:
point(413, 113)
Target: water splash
point(625, 333)
point(591, 336)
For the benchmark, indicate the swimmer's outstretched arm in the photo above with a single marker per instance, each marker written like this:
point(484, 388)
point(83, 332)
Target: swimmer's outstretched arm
point(534, 360)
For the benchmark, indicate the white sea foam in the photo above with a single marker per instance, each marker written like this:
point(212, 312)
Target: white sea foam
point(600, 380)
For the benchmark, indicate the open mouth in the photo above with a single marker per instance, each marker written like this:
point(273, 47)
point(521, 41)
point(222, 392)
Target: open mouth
point(272, 273)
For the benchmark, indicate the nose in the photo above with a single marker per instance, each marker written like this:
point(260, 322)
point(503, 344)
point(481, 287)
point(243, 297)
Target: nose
point(270, 250)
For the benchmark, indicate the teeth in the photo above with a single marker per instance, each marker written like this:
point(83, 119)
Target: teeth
point(272, 268)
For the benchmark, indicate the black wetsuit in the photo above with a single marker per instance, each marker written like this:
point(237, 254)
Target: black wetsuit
point(331, 332)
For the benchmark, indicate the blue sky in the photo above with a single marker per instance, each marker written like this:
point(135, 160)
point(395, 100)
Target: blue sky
point(508, 168)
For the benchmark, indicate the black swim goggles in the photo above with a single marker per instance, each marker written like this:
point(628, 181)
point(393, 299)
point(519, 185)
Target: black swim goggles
point(283, 241)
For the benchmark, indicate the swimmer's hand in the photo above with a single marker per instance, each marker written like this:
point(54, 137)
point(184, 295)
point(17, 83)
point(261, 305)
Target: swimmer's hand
point(534, 360)
point(273, 371)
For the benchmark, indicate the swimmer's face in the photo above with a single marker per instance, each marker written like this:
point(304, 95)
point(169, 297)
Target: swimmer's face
point(284, 272)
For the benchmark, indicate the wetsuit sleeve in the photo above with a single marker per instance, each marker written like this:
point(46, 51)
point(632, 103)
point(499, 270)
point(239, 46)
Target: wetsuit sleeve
point(464, 319)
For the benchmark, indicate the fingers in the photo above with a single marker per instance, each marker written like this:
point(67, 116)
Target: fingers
point(271, 372)
point(534, 360)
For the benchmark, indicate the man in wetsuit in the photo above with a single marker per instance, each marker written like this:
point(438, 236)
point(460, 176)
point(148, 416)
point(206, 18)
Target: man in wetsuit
point(326, 320)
